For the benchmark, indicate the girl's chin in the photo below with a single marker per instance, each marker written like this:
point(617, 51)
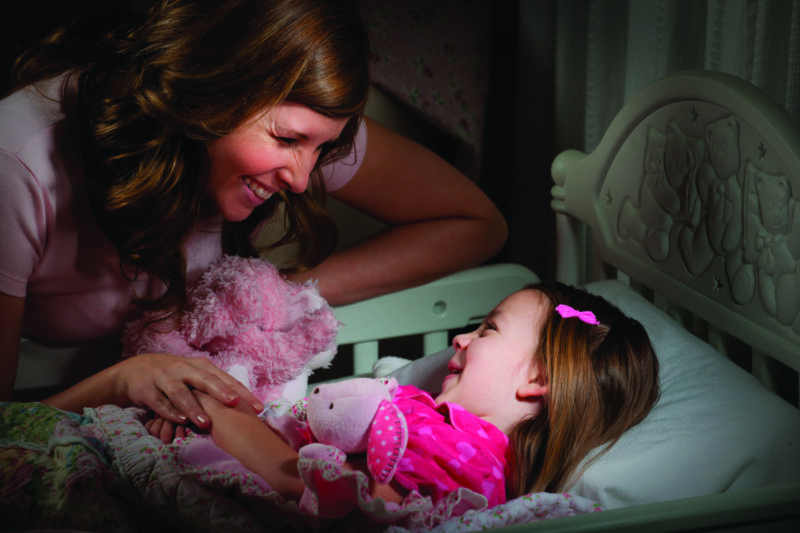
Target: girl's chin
point(448, 379)
point(444, 395)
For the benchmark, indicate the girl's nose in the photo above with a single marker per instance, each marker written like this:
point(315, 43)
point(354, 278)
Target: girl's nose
point(460, 342)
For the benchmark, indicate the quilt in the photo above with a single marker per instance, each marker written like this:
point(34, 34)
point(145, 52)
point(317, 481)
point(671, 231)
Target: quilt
point(102, 471)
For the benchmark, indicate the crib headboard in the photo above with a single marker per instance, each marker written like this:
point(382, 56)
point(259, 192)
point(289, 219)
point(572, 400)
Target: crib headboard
point(695, 192)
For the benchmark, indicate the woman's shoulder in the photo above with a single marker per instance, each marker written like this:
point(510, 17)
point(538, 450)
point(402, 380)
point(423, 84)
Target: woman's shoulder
point(339, 173)
point(34, 110)
point(39, 139)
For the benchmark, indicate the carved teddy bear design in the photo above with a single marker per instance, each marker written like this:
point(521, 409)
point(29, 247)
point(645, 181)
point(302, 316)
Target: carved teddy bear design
point(720, 206)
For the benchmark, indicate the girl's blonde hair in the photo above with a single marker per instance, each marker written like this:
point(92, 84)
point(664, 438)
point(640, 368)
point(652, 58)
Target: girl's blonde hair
point(603, 380)
point(154, 90)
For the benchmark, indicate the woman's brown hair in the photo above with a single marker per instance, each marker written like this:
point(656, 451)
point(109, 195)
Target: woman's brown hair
point(603, 380)
point(154, 90)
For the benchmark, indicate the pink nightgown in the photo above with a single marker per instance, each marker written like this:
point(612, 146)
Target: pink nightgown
point(449, 447)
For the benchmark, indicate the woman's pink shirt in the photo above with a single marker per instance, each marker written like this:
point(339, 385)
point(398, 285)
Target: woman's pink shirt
point(52, 251)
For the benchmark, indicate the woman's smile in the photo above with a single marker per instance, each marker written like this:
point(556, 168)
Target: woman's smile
point(257, 189)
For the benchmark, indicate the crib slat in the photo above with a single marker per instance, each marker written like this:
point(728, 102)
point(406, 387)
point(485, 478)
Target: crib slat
point(434, 342)
point(763, 371)
point(364, 356)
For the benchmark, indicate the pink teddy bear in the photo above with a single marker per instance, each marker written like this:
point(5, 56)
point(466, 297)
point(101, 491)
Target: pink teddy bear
point(352, 416)
point(243, 316)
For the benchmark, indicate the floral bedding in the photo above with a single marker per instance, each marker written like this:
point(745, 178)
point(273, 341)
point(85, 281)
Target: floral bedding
point(102, 471)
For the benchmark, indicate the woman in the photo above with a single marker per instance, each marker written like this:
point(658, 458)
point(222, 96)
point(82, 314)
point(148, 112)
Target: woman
point(131, 160)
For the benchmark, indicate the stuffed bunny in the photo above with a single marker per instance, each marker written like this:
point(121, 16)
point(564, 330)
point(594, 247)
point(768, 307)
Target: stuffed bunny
point(355, 416)
point(409, 440)
point(248, 320)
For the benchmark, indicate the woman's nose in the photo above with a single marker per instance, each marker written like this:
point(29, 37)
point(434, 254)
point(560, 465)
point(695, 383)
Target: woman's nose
point(296, 180)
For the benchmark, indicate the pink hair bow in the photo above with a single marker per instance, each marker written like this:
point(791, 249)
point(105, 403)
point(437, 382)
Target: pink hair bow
point(587, 316)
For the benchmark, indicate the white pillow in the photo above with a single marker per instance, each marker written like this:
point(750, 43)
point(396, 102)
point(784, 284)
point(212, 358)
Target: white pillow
point(715, 428)
point(426, 373)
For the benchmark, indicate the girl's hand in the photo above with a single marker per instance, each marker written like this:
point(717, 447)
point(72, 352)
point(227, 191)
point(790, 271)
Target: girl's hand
point(165, 430)
point(261, 450)
point(164, 384)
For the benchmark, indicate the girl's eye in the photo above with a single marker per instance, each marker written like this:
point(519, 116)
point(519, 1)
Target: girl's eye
point(287, 140)
point(488, 327)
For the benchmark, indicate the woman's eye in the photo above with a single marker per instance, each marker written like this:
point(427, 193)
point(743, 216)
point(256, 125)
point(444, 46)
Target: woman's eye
point(287, 140)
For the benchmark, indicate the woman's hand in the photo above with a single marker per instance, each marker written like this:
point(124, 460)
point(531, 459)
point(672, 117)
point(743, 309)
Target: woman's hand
point(160, 382)
point(164, 383)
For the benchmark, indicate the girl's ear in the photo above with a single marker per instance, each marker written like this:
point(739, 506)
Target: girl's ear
point(537, 384)
point(533, 389)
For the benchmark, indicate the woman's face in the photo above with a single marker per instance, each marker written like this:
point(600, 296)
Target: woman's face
point(276, 150)
point(494, 373)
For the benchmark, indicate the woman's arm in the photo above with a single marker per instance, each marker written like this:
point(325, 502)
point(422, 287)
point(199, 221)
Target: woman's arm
point(11, 310)
point(242, 434)
point(439, 222)
point(161, 382)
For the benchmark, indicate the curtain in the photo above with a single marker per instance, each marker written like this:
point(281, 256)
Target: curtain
point(616, 47)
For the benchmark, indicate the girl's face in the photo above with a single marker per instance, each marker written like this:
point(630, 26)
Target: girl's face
point(494, 373)
point(276, 150)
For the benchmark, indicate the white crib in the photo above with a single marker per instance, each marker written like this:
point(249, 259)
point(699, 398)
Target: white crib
point(647, 202)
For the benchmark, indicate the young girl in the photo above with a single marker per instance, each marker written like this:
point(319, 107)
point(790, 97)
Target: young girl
point(552, 373)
